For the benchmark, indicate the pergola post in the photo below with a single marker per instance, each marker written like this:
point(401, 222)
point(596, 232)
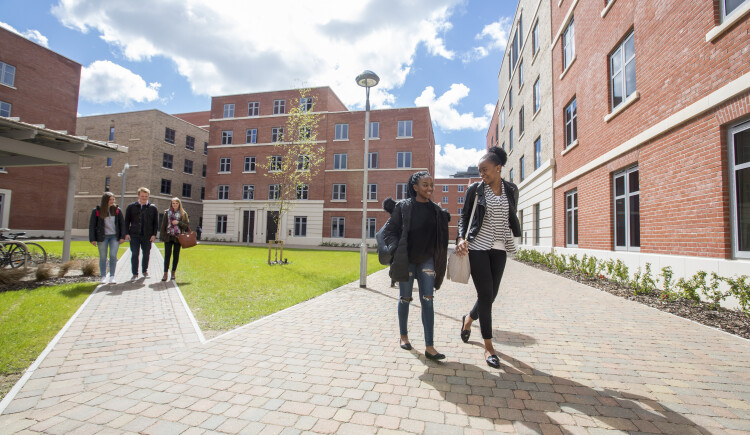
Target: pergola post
point(72, 174)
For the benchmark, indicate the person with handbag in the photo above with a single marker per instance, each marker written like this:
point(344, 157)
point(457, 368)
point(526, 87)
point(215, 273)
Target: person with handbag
point(174, 223)
point(107, 230)
point(487, 239)
point(416, 235)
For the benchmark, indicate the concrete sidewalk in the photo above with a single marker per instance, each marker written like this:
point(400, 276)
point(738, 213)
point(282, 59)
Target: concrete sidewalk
point(574, 360)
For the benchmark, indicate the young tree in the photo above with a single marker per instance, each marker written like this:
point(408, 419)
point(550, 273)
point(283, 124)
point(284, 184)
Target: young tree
point(297, 156)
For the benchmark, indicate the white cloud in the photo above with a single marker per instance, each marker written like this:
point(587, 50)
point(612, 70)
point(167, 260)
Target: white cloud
point(31, 34)
point(450, 159)
point(489, 110)
point(495, 38)
point(444, 113)
point(234, 46)
point(107, 82)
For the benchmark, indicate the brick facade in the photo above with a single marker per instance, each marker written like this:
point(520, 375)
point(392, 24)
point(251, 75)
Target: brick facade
point(450, 193)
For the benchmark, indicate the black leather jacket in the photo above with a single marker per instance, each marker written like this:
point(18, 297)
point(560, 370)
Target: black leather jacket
point(476, 224)
point(96, 225)
point(133, 220)
point(396, 233)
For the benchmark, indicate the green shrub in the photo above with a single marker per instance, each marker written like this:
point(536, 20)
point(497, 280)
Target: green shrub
point(646, 285)
point(575, 264)
point(621, 273)
point(711, 290)
point(688, 289)
point(740, 288)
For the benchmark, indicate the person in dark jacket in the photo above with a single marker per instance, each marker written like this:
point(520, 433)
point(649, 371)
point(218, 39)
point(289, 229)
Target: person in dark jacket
point(107, 230)
point(487, 240)
point(417, 236)
point(141, 222)
point(174, 222)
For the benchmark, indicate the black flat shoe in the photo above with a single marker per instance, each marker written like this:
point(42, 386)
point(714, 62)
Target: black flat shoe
point(465, 333)
point(493, 361)
point(404, 346)
point(437, 357)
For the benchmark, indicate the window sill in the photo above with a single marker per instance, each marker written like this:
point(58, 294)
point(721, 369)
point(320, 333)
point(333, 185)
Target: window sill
point(225, 172)
point(171, 143)
point(533, 117)
point(572, 61)
point(520, 136)
point(533, 58)
point(405, 137)
point(559, 3)
point(341, 140)
point(520, 87)
point(168, 169)
point(624, 105)
point(248, 172)
point(9, 86)
point(607, 8)
point(733, 18)
point(569, 147)
point(372, 138)
point(188, 173)
point(338, 200)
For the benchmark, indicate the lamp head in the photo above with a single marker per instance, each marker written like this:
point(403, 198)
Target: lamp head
point(368, 79)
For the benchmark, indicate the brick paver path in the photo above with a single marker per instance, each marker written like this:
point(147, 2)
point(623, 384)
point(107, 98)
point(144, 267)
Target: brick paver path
point(574, 360)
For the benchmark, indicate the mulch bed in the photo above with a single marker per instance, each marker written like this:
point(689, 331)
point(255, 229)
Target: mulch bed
point(732, 321)
point(31, 283)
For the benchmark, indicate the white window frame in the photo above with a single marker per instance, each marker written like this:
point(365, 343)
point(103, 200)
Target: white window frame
point(372, 160)
point(167, 161)
point(248, 192)
point(401, 157)
point(226, 137)
point(338, 192)
point(626, 197)
point(570, 118)
point(374, 130)
point(521, 168)
point(275, 163)
point(303, 162)
point(520, 74)
point(569, 44)
point(7, 70)
point(305, 104)
point(571, 219)
point(5, 109)
point(460, 188)
point(300, 226)
point(372, 192)
point(538, 153)
point(340, 161)
point(339, 224)
point(535, 38)
point(404, 128)
point(223, 191)
point(521, 122)
point(372, 228)
point(229, 110)
point(251, 135)
point(622, 72)
point(279, 107)
point(253, 108)
point(225, 165)
point(341, 132)
point(277, 134)
point(445, 200)
point(502, 118)
point(446, 188)
point(189, 190)
point(510, 139)
point(303, 191)
point(734, 207)
point(249, 165)
point(222, 222)
point(537, 95)
point(723, 7)
point(460, 200)
point(537, 224)
point(274, 192)
point(401, 191)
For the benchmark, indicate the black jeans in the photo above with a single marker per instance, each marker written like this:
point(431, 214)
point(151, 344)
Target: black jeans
point(139, 243)
point(487, 269)
point(170, 247)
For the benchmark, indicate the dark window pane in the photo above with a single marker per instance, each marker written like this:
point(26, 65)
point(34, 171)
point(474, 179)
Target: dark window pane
point(616, 90)
point(742, 147)
point(620, 228)
point(743, 209)
point(635, 221)
point(633, 182)
point(575, 200)
point(620, 186)
point(630, 78)
point(575, 226)
point(731, 5)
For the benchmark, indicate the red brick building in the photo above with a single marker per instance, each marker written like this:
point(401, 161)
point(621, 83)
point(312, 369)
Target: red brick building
point(493, 139)
point(651, 103)
point(450, 193)
point(243, 131)
point(37, 86)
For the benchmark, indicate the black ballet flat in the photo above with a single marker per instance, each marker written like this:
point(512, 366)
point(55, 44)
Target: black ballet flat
point(465, 333)
point(437, 357)
point(404, 346)
point(493, 361)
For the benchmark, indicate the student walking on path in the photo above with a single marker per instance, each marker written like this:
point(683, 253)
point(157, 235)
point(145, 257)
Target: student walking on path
point(174, 223)
point(141, 221)
point(488, 239)
point(417, 231)
point(107, 231)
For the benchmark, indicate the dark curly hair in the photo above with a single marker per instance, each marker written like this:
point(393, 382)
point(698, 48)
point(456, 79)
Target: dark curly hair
point(413, 180)
point(496, 155)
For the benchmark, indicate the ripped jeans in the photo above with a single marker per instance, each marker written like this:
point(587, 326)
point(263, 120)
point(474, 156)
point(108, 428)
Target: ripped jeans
point(425, 275)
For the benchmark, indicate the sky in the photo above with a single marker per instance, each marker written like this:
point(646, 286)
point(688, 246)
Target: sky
point(173, 55)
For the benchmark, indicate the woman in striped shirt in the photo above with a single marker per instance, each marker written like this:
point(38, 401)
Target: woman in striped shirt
point(487, 240)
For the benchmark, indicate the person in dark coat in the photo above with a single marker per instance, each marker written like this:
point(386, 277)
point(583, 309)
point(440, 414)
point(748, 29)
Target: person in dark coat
point(417, 237)
point(174, 223)
point(142, 222)
point(107, 231)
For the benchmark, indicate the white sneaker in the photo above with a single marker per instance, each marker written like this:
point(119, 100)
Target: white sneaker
point(104, 280)
point(112, 280)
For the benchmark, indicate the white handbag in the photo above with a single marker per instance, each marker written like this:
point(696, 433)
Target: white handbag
point(458, 269)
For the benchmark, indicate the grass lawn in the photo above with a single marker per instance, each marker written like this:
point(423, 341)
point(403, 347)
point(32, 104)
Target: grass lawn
point(78, 249)
point(29, 319)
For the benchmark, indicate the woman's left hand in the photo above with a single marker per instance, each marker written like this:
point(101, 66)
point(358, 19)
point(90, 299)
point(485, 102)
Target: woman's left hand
point(175, 222)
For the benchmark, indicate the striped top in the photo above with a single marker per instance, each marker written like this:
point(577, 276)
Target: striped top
point(495, 232)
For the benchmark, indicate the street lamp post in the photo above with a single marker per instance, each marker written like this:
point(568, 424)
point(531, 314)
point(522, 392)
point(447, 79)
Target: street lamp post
point(123, 174)
point(367, 80)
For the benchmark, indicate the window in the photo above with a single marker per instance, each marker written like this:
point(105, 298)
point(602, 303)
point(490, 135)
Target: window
point(342, 132)
point(627, 210)
point(520, 222)
point(306, 104)
point(190, 143)
point(107, 181)
point(111, 134)
point(739, 174)
point(404, 129)
point(203, 172)
point(521, 124)
point(537, 225)
point(401, 191)
point(274, 163)
point(460, 200)
point(7, 74)
point(187, 190)
point(729, 6)
point(460, 189)
point(510, 139)
point(371, 228)
point(221, 224)
point(521, 172)
point(374, 130)
point(251, 135)
point(253, 108)
point(622, 71)
point(403, 159)
point(339, 192)
point(571, 123)
point(337, 227)
point(167, 161)
point(248, 191)
point(569, 45)
point(166, 186)
point(277, 134)
point(223, 191)
point(225, 164)
point(372, 192)
point(537, 153)
point(537, 96)
point(300, 226)
point(339, 161)
point(226, 137)
point(510, 175)
point(229, 111)
point(168, 135)
point(5, 109)
point(188, 169)
point(249, 164)
point(445, 200)
point(515, 47)
point(274, 191)
point(571, 218)
point(303, 190)
point(535, 38)
point(305, 133)
point(205, 148)
point(460, 210)
point(372, 160)
point(446, 188)
point(203, 193)
point(520, 74)
point(303, 162)
point(109, 162)
point(279, 107)
point(510, 98)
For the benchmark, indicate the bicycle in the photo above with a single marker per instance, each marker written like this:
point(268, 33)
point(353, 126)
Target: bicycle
point(34, 253)
point(12, 254)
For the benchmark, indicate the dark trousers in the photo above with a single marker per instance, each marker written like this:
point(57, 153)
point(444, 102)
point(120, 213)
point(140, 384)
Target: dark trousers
point(487, 269)
point(169, 248)
point(137, 244)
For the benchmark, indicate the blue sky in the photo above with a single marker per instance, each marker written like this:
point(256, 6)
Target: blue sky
point(173, 55)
